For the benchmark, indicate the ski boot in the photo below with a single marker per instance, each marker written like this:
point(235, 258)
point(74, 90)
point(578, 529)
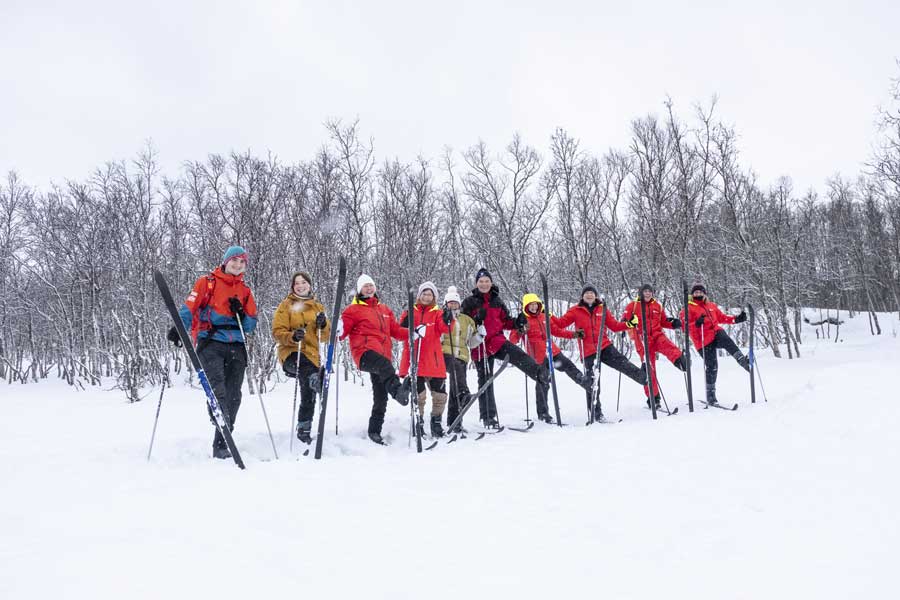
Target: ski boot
point(585, 382)
point(436, 430)
point(491, 423)
point(656, 401)
point(402, 392)
point(303, 432)
point(420, 426)
point(221, 451)
point(376, 437)
point(546, 418)
point(598, 414)
point(711, 395)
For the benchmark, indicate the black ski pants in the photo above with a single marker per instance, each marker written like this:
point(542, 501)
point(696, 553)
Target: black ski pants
point(304, 383)
point(562, 364)
point(611, 357)
point(459, 387)
point(487, 404)
point(711, 359)
point(224, 364)
point(384, 381)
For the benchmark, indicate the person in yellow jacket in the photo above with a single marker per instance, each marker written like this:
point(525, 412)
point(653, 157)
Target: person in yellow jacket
point(463, 336)
point(299, 326)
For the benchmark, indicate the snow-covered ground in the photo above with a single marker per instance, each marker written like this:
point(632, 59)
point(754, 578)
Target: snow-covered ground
point(794, 498)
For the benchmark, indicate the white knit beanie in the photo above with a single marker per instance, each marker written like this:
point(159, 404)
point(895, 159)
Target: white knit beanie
point(452, 295)
point(363, 280)
point(428, 286)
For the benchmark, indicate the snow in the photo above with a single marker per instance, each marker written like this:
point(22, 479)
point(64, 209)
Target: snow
point(795, 497)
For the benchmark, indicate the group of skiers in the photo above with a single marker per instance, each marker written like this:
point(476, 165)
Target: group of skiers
point(220, 311)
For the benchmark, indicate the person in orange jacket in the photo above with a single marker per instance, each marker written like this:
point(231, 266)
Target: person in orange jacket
point(659, 343)
point(430, 324)
point(531, 327)
point(705, 326)
point(218, 301)
point(587, 316)
point(370, 325)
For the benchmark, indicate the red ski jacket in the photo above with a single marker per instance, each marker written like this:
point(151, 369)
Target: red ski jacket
point(536, 333)
point(430, 349)
point(701, 336)
point(370, 325)
point(587, 318)
point(656, 322)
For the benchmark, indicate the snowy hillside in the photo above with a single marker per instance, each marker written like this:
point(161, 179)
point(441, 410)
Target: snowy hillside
point(794, 498)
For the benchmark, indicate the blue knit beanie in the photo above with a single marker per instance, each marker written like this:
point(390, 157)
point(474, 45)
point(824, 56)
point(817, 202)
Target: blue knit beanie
point(233, 252)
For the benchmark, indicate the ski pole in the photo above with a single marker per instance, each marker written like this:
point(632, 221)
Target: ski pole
point(337, 390)
point(454, 382)
point(663, 395)
point(619, 390)
point(759, 377)
point(261, 403)
point(291, 433)
point(165, 383)
point(527, 415)
point(591, 397)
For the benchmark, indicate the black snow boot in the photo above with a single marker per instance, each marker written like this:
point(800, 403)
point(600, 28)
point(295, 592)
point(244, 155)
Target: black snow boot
point(598, 413)
point(221, 451)
point(585, 381)
point(436, 430)
point(403, 392)
point(658, 403)
point(303, 431)
point(420, 426)
point(376, 437)
point(491, 423)
point(711, 394)
point(545, 417)
point(742, 360)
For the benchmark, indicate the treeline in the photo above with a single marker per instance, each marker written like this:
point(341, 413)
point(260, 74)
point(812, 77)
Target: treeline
point(77, 298)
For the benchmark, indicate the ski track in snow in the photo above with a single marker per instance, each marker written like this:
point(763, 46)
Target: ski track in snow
point(794, 498)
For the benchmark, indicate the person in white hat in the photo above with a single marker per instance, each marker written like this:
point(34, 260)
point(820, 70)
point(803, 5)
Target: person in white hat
point(430, 323)
point(370, 325)
point(462, 337)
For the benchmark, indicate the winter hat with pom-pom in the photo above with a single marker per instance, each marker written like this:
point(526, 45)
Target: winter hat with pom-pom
point(452, 295)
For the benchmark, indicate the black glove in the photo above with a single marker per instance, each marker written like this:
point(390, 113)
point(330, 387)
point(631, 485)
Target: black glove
point(741, 317)
point(521, 321)
point(173, 337)
point(236, 307)
point(579, 334)
point(447, 316)
point(299, 334)
point(321, 321)
point(675, 323)
point(479, 316)
point(699, 322)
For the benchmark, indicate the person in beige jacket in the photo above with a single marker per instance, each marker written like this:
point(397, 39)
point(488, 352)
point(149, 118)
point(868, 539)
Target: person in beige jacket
point(464, 335)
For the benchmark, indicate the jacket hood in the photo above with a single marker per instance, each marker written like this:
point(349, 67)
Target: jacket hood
point(528, 299)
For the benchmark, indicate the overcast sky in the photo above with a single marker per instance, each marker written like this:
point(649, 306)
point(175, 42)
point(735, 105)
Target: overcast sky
point(85, 82)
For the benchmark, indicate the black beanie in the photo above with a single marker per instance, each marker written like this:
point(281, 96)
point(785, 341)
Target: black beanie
point(482, 272)
point(646, 286)
point(698, 287)
point(589, 288)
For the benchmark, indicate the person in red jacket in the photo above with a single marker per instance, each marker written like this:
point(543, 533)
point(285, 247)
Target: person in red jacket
point(370, 325)
point(486, 308)
point(430, 324)
point(531, 327)
point(705, 326)
point(219, 309)
point(659, 343)
point(587, 316)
